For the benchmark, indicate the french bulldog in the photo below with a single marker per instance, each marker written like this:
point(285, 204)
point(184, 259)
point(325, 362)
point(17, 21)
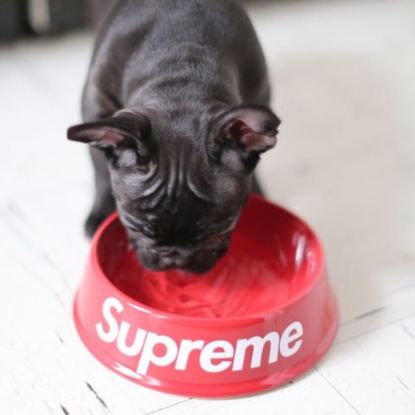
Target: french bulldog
point(175, 111)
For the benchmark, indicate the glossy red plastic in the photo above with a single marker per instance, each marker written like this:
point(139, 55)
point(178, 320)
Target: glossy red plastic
point(265, 315)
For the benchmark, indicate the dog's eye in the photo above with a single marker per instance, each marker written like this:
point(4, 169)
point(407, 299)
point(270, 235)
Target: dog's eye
point(138, 227)
point(142, 230)
point(148, 232)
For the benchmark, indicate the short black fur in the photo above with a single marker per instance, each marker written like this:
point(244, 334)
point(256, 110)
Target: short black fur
point(175, 109)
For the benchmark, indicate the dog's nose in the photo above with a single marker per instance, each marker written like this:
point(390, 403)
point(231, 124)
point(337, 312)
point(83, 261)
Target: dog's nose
point(172, 252)
point(171, 257)
point(172, 262)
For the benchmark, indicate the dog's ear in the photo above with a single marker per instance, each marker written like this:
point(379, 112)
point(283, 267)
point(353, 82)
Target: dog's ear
point(124, 130)
point(249, 128)
point(238, 136)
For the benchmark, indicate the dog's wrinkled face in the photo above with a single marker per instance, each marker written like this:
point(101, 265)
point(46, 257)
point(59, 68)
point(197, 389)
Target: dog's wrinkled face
point(180, 213)
point(180, 198)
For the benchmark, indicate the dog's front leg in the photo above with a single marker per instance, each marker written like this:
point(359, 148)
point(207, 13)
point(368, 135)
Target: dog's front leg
point(104, 202)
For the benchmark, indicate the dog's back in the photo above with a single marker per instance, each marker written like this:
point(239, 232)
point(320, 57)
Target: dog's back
point(140, 39)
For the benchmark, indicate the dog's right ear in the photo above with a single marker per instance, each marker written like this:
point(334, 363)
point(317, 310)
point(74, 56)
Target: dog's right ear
point(124, 130)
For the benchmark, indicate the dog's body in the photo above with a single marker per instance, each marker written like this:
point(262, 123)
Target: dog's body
point(176, 102)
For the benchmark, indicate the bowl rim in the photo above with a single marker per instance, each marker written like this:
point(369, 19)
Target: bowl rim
point(317, 274)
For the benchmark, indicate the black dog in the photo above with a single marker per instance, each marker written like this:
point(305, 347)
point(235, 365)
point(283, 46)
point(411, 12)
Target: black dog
point(175, 109)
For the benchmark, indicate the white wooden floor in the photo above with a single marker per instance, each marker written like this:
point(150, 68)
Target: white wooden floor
point(343, 73)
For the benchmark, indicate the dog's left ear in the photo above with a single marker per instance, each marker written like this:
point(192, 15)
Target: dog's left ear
point(250, 128)
point(124, 129)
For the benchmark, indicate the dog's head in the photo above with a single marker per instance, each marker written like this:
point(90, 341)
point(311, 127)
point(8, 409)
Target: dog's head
point(180, 197)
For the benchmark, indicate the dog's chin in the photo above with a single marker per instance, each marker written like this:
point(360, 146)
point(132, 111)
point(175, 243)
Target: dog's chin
point(198, 269)
point(200, 264)
point(191, 268)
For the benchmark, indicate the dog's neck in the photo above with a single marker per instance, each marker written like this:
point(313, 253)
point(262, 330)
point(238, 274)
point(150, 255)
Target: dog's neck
point(196, 86)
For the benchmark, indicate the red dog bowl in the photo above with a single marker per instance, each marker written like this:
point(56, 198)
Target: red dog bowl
point(263, 316)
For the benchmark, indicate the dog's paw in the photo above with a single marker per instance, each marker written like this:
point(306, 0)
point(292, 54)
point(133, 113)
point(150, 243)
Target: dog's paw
point(92, 223)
